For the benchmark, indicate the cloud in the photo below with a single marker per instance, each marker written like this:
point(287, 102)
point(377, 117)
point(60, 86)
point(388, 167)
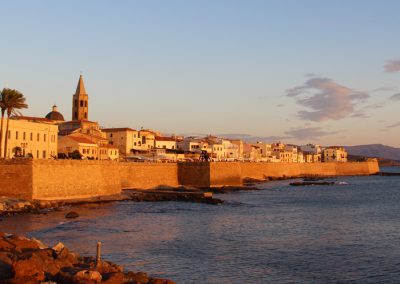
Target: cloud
point(327, 99)
point(392, 66)
point(384, 89)
point(311, 75)
point(395, 97)
point(308, 133)
point(280, 105)
point(394, 125)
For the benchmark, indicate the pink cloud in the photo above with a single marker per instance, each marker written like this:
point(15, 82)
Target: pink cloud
point(392, 66)
point(326, 99)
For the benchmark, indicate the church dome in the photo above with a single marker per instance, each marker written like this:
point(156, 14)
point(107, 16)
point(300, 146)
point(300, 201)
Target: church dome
point(55, 115)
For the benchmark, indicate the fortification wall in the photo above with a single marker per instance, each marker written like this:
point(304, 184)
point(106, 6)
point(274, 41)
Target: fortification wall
point(16, 178)
point(234, 173)
point(148, 175)
point(194, 174)
point(70, 179)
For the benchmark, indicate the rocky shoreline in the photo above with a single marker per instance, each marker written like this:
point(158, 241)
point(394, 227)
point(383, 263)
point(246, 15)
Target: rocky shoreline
point(12, 206)
point(28, 261)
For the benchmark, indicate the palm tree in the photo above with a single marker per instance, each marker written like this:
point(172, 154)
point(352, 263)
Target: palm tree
point(12, 101)
point(3, 111)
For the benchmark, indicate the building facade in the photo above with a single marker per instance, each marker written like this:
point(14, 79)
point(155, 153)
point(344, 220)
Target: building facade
point(32, 137)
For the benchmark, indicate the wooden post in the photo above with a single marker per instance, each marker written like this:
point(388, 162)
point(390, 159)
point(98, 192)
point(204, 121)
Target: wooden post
point(98, 254)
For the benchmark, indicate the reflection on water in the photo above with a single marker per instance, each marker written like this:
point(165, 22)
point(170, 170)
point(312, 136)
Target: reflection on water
point(282, 234)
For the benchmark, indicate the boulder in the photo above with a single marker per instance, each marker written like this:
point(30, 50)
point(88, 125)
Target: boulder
point(113, 278)
point(71, 215)
point(140, 277)
point(88, 276)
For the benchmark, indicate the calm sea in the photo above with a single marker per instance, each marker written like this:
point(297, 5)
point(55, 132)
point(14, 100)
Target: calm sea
point(347, 233)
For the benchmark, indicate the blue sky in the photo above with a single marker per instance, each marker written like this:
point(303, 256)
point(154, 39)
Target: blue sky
point(296, 71)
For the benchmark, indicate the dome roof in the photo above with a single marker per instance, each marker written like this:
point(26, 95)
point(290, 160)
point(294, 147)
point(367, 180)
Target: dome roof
point(55, 115)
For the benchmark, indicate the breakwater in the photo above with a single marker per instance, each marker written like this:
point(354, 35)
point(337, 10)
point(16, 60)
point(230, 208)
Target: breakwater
point(71, 179)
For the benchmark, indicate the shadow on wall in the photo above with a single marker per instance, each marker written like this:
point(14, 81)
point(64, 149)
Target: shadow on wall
point(194, 174)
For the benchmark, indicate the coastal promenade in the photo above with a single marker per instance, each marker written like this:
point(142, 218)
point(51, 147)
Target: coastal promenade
point(72, 179)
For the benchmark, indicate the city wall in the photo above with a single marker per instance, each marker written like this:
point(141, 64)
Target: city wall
point(71, 179)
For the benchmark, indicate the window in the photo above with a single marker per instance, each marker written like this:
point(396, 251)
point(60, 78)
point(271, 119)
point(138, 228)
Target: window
point(81, 103)
point(44, 154)
point(38, 137)
point(134, 143)
point(76, 115)
point(24, 136)
point(16, 135)
point(44, 137)
point(85, 103)
point(85, 115)
point(76, 103)
point(37, 154)
point(9, 134)
point(111, 135)
point(31, 136)
point(143, 139)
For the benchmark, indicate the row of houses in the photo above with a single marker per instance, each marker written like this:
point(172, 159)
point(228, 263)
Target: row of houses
point(147, 142)
point(43, 138)
point(53, 137)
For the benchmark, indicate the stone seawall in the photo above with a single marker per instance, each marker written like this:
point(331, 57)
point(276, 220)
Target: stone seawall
point(72, 179)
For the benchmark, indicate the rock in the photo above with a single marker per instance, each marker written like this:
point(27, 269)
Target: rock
point(71, 215)
point(39, 243)
point(108, 267)
point(140, 277)
point(43, 204)
point(58, 248)
point(21, 205)
point(88, 276)
point(161, 281)
point(6, 270)
point(30, 267)
point(113, 278)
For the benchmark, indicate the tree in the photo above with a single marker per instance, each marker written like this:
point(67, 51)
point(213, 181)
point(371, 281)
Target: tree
point(3, 111)
point(12, 101)
point(17, 151)
point(75, 155)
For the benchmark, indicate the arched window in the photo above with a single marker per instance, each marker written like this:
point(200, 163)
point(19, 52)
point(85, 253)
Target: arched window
point(85, 115)
point(85, 103)
point(81, 103)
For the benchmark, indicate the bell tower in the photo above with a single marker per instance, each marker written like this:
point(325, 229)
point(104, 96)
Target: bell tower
point(80, 102)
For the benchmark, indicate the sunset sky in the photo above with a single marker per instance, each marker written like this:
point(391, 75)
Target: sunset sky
point(297, 71)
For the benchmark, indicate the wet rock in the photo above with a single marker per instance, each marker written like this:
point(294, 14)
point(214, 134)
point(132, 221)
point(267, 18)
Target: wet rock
point(113, 278)
point(87, 276)
point(72, 215)
point(140, 277)
point(25, 261)
point(39, 243)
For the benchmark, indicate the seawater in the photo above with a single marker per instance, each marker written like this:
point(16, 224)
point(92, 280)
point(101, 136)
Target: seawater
point(347, 233)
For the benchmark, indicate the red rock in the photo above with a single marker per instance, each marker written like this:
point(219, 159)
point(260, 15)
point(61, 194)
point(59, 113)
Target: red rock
point(113, 278)
point(30, 267)
point(6, 269)
point(140, 277)
point(88, 276)
point(5, 245)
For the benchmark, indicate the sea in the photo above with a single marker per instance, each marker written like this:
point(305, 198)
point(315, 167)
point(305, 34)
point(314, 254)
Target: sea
point(343, 233)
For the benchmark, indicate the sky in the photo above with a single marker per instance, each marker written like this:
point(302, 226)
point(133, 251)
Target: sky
point(303, 71)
